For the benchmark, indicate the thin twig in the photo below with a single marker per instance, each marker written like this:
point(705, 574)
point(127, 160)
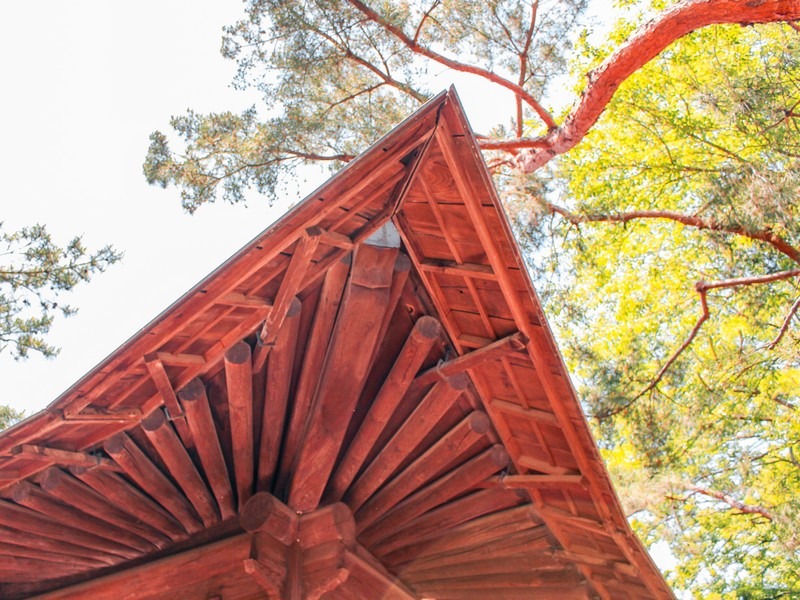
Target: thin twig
point(785, 326)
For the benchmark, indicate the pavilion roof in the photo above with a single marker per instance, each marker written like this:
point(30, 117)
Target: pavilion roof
point(365, 401)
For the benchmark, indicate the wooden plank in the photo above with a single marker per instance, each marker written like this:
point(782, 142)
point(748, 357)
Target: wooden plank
point(148, 477)
point(344, 373)
point(432, 408)
point(244, 300)
point(118, 492)
point(180, 465)
point(194, 402)
point(425, 332)
point(450, 447)
point(169, 359)
point(239, 380)
point(75, 493)
point(164, 386)
point(316, 347)
point(276, 397)
point(381, 583)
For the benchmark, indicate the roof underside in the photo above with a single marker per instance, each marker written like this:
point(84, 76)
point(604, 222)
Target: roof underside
point(409, 388)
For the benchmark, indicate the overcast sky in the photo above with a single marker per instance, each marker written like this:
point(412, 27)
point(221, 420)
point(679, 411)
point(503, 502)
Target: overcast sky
point(84, 84)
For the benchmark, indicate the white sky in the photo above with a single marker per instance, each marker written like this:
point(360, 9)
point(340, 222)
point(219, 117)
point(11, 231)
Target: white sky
point(84, 84)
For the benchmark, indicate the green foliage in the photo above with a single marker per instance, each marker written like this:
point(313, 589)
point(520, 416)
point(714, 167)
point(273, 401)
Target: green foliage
point(34, 272)
point(707, 453)
point(333, 81)
point(9, 416)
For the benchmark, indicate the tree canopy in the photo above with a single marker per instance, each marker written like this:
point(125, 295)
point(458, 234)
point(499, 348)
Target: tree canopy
point(35, 272)
point(664, 235)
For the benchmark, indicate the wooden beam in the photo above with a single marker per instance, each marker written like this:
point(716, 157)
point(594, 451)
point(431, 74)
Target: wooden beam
point(276, 398)
point(103, 415)
point(194, 402)
point(239, 379)
point(8, 549)
point(448, 267)
point(416, 348)
point(429, 411)
point(515, 410)
point(40, 543)
point(455, 483)
point(270, 580)
point(128, 544)
point(64, 458)
point(168, 359)
point(148, 477)
point(177, 573)
point(449, 448)
point(290, 286)
point(318, 340)
point(164, 386)
point(165, 441)
point(537, 464)
point(27, 521)
point(525, 482)
point(463, 516)
point(74, 493)
point(122, 494)
point(513, 343)
point(346, 368)
point(245, 301)
point(380, 583)
point(264, 513)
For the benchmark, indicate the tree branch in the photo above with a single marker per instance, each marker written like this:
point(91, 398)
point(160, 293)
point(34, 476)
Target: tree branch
point(645, 44)
point(702, 288)
point(750, 509)
point(417, 48)
point(763, 235)
point(785, 326)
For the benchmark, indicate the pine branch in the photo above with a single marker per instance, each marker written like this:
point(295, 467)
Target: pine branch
point(646, 43)
point(763, 235)
point(418, 48)
point(750, 509)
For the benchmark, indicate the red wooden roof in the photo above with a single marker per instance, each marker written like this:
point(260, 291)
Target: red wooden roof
point(364, 402)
